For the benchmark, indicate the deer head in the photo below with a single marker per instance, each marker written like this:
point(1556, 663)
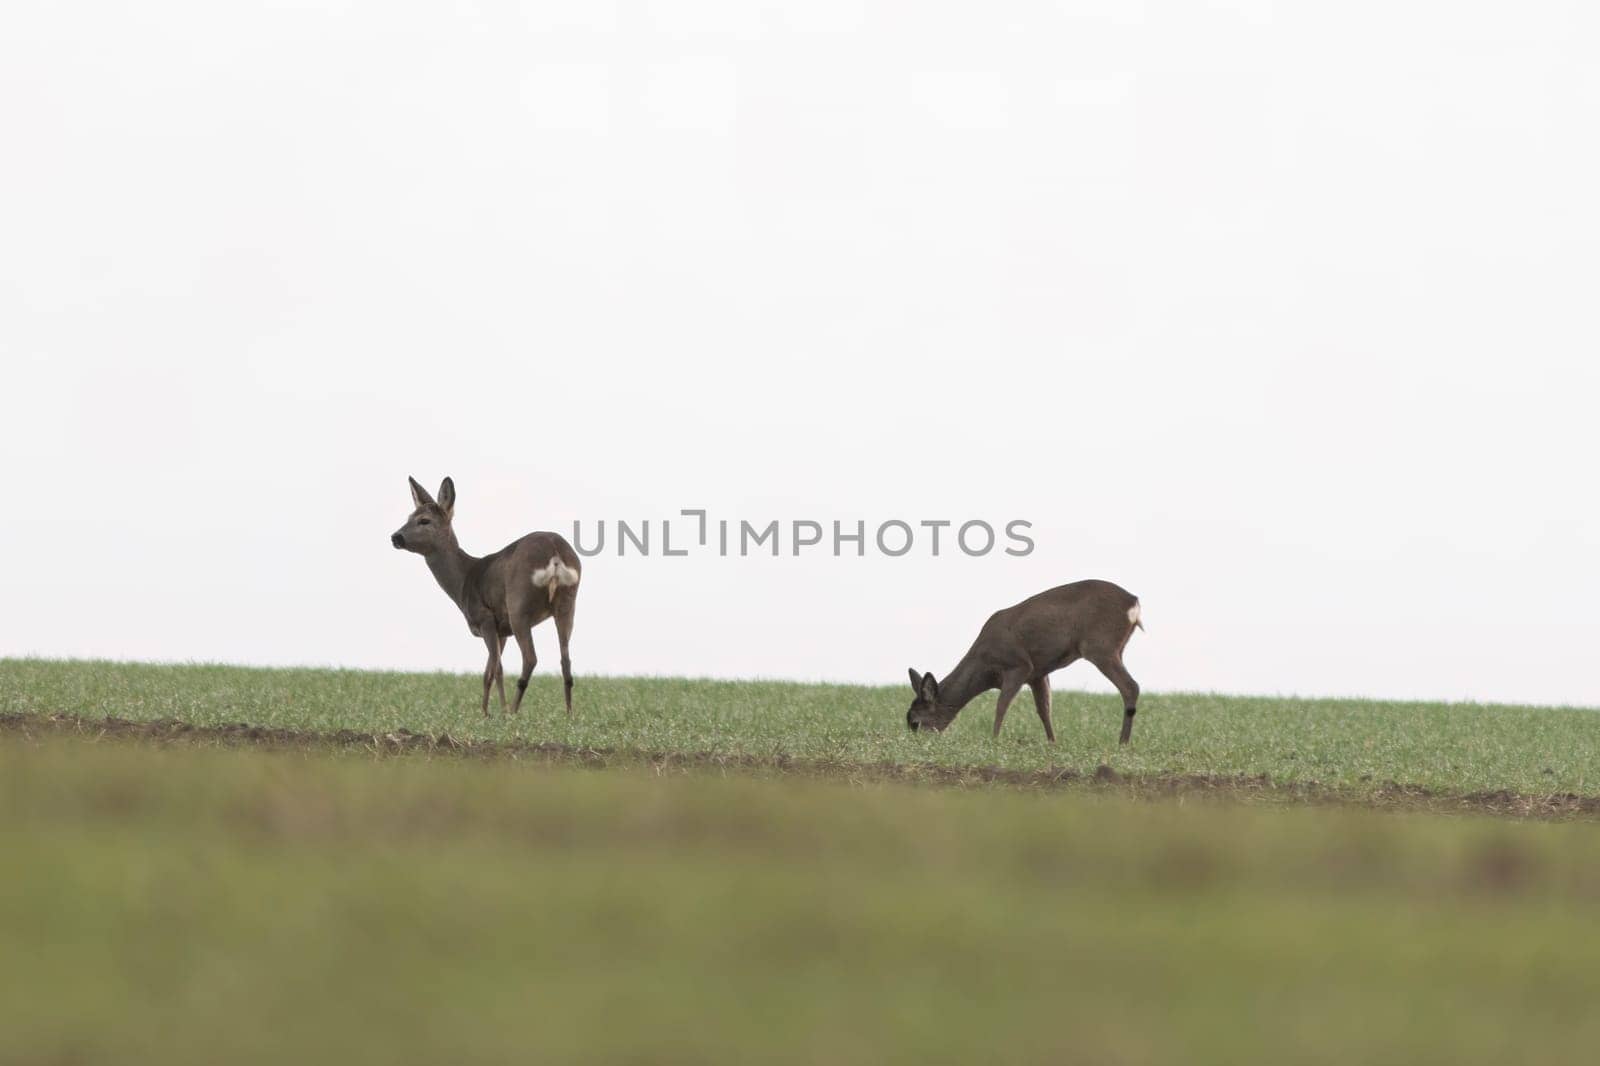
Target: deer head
point(428, 529)
point(925, 712)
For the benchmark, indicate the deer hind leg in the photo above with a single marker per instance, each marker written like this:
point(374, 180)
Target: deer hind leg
point(566, 605)
point(529, 661)
point(1111, 665)
point(1041, 703)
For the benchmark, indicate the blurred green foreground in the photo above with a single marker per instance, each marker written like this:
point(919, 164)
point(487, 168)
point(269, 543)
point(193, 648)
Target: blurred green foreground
point(189, 906)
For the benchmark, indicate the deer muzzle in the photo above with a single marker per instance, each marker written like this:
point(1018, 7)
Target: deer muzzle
point(397, 540)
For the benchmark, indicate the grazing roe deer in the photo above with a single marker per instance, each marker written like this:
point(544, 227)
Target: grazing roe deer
point(502, 595)
point(1026, 643)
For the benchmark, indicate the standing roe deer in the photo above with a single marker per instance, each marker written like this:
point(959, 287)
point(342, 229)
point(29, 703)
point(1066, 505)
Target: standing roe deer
point(502, 595)
point(1026, 643)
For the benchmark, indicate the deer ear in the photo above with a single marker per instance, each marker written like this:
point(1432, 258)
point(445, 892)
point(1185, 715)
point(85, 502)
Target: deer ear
point(447, 496)
point(419, 495)
point(929, 688)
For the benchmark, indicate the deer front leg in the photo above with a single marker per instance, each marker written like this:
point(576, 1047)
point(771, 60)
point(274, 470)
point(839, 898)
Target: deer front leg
point(529, 661)
point(500, 673)
point(491, 668)
point(1010, 685)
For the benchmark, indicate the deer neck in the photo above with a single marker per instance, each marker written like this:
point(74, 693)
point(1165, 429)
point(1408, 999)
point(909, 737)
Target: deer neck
point(450, 565)
point(959, 687)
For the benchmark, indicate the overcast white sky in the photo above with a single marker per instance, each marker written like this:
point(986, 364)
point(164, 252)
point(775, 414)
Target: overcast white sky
point(1281, 315)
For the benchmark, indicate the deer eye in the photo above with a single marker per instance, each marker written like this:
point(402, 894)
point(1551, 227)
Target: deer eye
point(424, 521)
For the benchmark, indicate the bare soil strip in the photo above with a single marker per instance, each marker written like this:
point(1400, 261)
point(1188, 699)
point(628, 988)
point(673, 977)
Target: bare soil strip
point(1388, 795)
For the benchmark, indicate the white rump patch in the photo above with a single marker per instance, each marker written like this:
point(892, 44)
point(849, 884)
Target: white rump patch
point(553, 575)
point(1133, 613)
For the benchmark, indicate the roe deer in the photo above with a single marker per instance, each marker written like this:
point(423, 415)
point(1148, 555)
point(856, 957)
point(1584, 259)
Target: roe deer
point(1026, 643)
point(502, 595)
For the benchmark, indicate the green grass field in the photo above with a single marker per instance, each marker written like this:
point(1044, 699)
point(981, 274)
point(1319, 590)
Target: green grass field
point(193, 905)
point(1351, 746)
point(748, 880)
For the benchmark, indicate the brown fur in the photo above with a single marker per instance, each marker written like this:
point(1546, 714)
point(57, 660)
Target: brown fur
point(1024, 644)
point(496, 593)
